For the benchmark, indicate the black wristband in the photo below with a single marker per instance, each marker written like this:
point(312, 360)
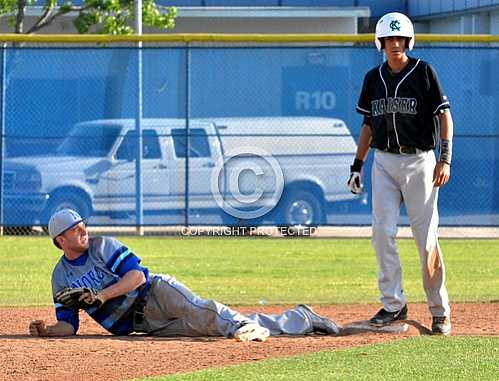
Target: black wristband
point(357, 165)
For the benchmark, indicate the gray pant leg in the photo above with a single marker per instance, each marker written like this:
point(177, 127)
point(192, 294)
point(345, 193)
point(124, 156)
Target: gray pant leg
point(174, 310)
point(421, 203)
point(387, 199)
point(290, 322)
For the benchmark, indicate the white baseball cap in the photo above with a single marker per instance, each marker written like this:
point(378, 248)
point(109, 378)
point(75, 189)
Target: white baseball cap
point(63, 220)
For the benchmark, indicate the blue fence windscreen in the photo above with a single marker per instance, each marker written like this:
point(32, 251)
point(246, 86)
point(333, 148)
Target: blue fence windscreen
point(230, 135)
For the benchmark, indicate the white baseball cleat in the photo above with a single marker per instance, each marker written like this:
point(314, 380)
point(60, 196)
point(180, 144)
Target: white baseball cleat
point(251, 332)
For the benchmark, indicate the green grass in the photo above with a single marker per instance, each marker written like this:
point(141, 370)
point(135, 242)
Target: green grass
point(247, 271)
point(420, 358)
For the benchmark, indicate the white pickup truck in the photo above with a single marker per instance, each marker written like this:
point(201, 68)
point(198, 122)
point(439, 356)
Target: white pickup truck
point(93, 170)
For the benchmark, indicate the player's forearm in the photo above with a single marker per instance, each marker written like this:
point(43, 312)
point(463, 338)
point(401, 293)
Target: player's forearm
point(364, 142)
point(130, 281)
point(446, 125)
point(446, 134)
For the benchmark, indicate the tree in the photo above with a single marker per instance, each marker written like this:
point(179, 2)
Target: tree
point(106, 16)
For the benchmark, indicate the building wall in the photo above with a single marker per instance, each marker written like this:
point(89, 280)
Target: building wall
point(262, 25)
point(418, 8)
point(444, 16)
point(455, 16)
point(227, 25)
point(494, 22)
point(468, 23)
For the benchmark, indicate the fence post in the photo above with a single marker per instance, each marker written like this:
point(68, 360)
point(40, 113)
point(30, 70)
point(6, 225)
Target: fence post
point(187, 127)
point(139, 209)
point(2, 134)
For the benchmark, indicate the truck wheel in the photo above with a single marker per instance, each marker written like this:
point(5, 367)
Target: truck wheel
point(300, 209)
point(67, 200)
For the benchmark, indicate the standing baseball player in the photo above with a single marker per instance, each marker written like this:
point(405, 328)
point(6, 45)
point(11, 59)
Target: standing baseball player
point(406, 115)
point(105, 278)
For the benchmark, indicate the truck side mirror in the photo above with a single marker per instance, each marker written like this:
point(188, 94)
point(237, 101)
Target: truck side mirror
point(98, 168)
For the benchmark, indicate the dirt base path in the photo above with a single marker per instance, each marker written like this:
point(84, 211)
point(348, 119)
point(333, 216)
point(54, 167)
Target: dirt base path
point(120, 358)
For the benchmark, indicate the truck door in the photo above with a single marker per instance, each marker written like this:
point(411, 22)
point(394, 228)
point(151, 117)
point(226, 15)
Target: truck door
point(117, 185)
point(203, 152)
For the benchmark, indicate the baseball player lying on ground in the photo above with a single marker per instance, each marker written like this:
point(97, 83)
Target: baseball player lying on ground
point(103, 277)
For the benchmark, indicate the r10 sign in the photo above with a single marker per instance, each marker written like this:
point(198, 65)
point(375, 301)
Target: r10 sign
point(317, 100)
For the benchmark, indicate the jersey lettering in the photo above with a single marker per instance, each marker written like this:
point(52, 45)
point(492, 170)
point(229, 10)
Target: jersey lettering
point(401, 107)
point(394, 105)
point(91, 279)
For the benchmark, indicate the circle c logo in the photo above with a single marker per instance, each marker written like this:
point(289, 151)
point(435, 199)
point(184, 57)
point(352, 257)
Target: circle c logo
point(257, 163)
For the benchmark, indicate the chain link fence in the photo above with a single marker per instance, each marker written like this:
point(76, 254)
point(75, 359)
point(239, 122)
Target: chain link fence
point(239, 136)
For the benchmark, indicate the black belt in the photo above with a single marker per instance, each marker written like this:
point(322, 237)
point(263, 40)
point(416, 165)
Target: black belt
point(138, 314)
point(140, 304)
point(403, 150)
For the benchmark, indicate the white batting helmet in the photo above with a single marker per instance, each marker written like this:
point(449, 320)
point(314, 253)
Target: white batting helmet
point(394, 24)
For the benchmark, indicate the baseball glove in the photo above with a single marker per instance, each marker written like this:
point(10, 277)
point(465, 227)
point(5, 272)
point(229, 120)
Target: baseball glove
point(79, 298)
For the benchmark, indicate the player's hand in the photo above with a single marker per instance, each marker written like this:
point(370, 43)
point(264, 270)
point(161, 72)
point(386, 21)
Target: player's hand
point(354, 183)
point(441, 174)
point(38, 328)
point(93, 299)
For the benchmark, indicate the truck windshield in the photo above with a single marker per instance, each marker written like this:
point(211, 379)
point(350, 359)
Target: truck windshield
point(89, 140)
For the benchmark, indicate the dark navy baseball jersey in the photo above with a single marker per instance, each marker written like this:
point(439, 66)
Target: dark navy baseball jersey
point(402, 108)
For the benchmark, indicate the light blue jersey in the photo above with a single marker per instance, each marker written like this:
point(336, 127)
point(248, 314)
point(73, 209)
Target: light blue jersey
point(104, 263)
point(163, 306)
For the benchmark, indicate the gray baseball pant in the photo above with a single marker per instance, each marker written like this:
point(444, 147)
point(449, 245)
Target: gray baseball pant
point(408, 179)
point(174, 310)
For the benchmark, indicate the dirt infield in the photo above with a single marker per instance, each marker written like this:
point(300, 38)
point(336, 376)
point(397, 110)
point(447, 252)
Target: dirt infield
point(120, 358)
